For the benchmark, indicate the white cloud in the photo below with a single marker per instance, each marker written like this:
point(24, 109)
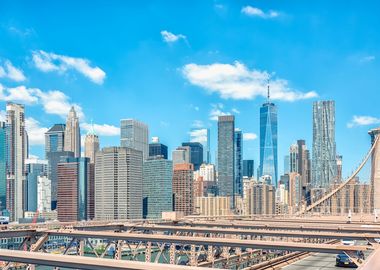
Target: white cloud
point(164, 124)
point(102, 130)
point(197, 124)
point(11, 72)
point(36, 133)
point(367, 59)
point(198, 135)
point(363, 121)
point(19, 94)
point(47, 62)
point(247, 136)
point(170, 37)
point(236, 81)
point(217, 110)
point(256, 12)
point(236, 111)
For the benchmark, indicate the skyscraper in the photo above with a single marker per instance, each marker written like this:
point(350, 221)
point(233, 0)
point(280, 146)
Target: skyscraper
point(226, 155)
point(183, 188)
point(238, 184)
point(3, 163)
point(55, 139)
point(91, 145)
point(304, 164)
point(181, 155)
point(157, 187)
point(202, 135)
point(16, 155)
point(72, 133)
point(73, 189)
point(158, 149)
point(196, 153)
point(324, 148)
point(34, 168)
point(118, 183)
point(293, 158)
point(268, 140)
point(248, 168)
point(135, 135)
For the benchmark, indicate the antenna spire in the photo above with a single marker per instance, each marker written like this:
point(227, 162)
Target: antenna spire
point(268, 96)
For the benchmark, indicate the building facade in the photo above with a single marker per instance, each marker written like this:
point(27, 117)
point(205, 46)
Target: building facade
point(181, 155)
point(248, 168)
point(91, 145)
point(73, 189)
point(261, 199)
point(324, 149)
point(238, 183)
point(34, 168)
point(268, 141)
point(3, 166)
point(158, 149)
point(183, 193)
point(196, 153)
point(118, 183)
point(212, 206)
point(17, 152)
point(135, 134)
point(43, 193)
point(157, 187)
point(72, 133)
point(202, 135)
point(55, 139)
point(226, 155)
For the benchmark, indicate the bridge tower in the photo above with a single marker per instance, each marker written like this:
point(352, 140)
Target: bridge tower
point(375, 171)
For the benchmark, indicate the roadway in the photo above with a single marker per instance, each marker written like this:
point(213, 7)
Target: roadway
point(317, 261)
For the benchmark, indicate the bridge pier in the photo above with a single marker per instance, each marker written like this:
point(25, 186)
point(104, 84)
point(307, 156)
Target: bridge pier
point(375, 170)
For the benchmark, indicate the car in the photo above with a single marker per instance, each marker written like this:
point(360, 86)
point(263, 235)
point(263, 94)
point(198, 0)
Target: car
point(343, 260)
point(348, 242)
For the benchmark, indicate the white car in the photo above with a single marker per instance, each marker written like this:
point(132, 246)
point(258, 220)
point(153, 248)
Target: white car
point(348, 242)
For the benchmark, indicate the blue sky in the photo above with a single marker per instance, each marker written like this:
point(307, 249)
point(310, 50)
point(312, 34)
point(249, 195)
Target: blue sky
point(174, 66)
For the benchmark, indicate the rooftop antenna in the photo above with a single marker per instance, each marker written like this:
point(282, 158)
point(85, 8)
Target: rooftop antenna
point(268, 96)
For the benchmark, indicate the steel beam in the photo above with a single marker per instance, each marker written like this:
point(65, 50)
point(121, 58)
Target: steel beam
point(86, 263)
point(224, 242)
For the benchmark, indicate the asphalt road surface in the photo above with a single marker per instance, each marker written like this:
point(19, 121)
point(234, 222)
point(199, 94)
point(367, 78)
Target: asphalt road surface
point(317, 261)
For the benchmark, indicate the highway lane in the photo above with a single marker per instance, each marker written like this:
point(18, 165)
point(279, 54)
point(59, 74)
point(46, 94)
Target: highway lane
point(319, 261)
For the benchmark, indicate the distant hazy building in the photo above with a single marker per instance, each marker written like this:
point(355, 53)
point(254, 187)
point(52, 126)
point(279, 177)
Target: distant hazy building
point(212, 206)
point(238, 159)
point(248, 168)
point(118, 183)
point(157, 187)
point(226, 155)
point(181, 155)
point(91, 145)
point(72, 133)
point(196, 153)
point(3, 164)
point(183, 188)
point(43, 194)
point(34, 168)
point(135, 134)
point(158, 149)
point(202, 135)
point(17, 152)
point(268, 141)
point(324, 149)
point(73, 189)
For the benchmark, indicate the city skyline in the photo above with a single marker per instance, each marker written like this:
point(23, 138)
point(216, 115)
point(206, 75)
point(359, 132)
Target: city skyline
point(42, 65)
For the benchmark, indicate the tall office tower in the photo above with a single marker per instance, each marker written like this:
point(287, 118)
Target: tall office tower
point(293, 158)
point(55, 139)
point(181, 155)
point(248, 168)
point(73, 189)
point(268, 140)
point(91, 145)
point(286, 164)
point(135, 135)
point(34, 169)
point(304, 164)
point(158, 149)
point(43, 194)
point(16, 155)
point(72, 133)
point(324, 147)
point(295, 191)
point(3, 164)
point(157, 176)
point(339, 167)
point(183, 188)
point(196, 153)
point(202, 135)
point(226, 155)
point(118, 183)
point(238, 183)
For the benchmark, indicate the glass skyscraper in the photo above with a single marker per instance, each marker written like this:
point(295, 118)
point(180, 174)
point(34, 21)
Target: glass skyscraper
point(202, 135)
point(268, 141)
point(34, 168)
point(135, 134)
point(196, 153)
point(238, 184)
point(248, 167)
point(226, 155)
point(3, 162)
point(324, 167)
